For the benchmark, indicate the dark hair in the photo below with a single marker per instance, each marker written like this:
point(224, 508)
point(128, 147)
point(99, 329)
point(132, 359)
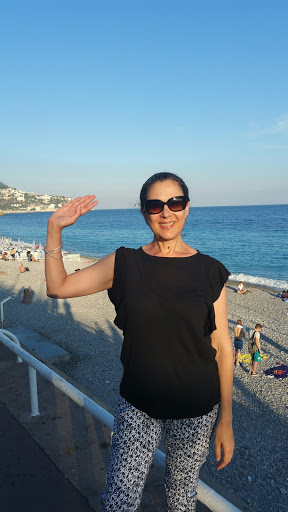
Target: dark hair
point(258, 326)
point(162, 176)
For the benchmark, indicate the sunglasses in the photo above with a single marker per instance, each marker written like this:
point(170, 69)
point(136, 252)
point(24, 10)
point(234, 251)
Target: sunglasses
point(175, 204)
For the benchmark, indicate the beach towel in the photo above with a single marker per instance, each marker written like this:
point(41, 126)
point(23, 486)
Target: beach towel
point(246, 358)
point(278, 372)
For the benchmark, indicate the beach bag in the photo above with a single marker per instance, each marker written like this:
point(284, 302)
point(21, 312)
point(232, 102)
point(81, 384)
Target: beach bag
point(252, 347)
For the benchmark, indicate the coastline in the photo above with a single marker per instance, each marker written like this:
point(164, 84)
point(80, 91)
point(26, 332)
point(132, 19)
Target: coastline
point(85, 328)
point(28, 211)
point(247, 285)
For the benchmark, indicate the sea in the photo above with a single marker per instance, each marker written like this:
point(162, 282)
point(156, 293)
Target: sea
point(251, 241)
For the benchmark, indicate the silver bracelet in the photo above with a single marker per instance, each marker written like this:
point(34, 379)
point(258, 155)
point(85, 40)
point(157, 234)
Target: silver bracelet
point(51, 256)
point(53, 251)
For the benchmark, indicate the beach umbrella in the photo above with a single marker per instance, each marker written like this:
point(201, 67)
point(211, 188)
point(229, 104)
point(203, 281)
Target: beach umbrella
point(40, 248)
point(33, 246)
point(19, 245)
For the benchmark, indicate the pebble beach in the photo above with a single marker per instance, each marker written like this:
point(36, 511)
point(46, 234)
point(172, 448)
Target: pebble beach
point(258, 473)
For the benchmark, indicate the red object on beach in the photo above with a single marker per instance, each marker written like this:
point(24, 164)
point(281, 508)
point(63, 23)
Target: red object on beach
point(278, 372)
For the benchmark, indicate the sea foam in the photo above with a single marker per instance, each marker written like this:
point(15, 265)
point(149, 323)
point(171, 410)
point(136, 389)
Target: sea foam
point(260, 281)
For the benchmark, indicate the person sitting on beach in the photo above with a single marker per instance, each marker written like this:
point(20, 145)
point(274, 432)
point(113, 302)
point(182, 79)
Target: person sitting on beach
point(241, 288)
point(256, 357)
point(22, 268)
point(4, 256)
point(284, 295)
point(169, 298)
point(239, 333)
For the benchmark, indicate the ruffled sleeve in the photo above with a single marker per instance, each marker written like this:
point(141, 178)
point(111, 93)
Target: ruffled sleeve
point(117, 292)
point(217, 277)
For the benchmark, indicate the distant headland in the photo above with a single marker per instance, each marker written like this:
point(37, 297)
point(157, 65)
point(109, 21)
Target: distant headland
point(13, 201)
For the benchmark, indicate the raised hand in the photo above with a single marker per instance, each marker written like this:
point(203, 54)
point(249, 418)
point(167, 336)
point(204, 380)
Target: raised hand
point(70, 212)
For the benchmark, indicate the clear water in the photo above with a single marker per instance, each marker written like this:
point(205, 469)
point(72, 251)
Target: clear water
point(251, 241)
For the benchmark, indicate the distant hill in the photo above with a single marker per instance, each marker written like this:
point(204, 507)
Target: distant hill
point(13, 200)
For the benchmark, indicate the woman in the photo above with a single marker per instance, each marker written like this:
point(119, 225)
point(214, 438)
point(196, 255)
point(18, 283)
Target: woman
point(178, 366)
point(239, 334)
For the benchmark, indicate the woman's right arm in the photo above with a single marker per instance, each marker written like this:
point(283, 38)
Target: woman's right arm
point(92, 279)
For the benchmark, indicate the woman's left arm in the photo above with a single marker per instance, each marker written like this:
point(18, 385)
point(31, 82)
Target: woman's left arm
point(224, 442)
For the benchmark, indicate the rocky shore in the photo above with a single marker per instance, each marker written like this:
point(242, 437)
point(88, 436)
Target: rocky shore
point(258, 473)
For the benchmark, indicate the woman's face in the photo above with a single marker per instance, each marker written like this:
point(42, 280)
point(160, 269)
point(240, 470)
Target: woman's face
point(166, 225)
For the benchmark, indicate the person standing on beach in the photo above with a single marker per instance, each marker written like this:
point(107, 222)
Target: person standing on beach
point(170, 303)
point(256, 357)
point(12, 253)
point(239, 334)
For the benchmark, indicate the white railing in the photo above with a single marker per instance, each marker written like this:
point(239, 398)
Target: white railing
point(12, 338)
point(2, 310)
point(205, 494)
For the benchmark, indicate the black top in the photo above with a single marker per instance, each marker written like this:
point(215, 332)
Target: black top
point(164, 307)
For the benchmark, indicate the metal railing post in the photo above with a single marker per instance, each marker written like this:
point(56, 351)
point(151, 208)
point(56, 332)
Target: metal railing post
point(33, 391)
point(2, 310)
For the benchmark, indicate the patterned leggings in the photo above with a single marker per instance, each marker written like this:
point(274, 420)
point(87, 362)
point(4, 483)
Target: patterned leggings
point(134, 442)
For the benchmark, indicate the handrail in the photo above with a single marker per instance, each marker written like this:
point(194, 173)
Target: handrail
point(205, 494)
point(12, 338)
point(75, 394)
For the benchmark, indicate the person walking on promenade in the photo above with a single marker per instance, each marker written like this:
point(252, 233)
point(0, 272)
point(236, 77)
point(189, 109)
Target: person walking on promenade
point(239, 334)
point(170, 302)
point(256, 357)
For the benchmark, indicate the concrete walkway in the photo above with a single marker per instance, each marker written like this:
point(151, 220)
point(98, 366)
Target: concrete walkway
point(55, 461)
point(29, 479)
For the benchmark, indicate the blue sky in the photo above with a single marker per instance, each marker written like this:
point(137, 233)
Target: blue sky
point(96, 96)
